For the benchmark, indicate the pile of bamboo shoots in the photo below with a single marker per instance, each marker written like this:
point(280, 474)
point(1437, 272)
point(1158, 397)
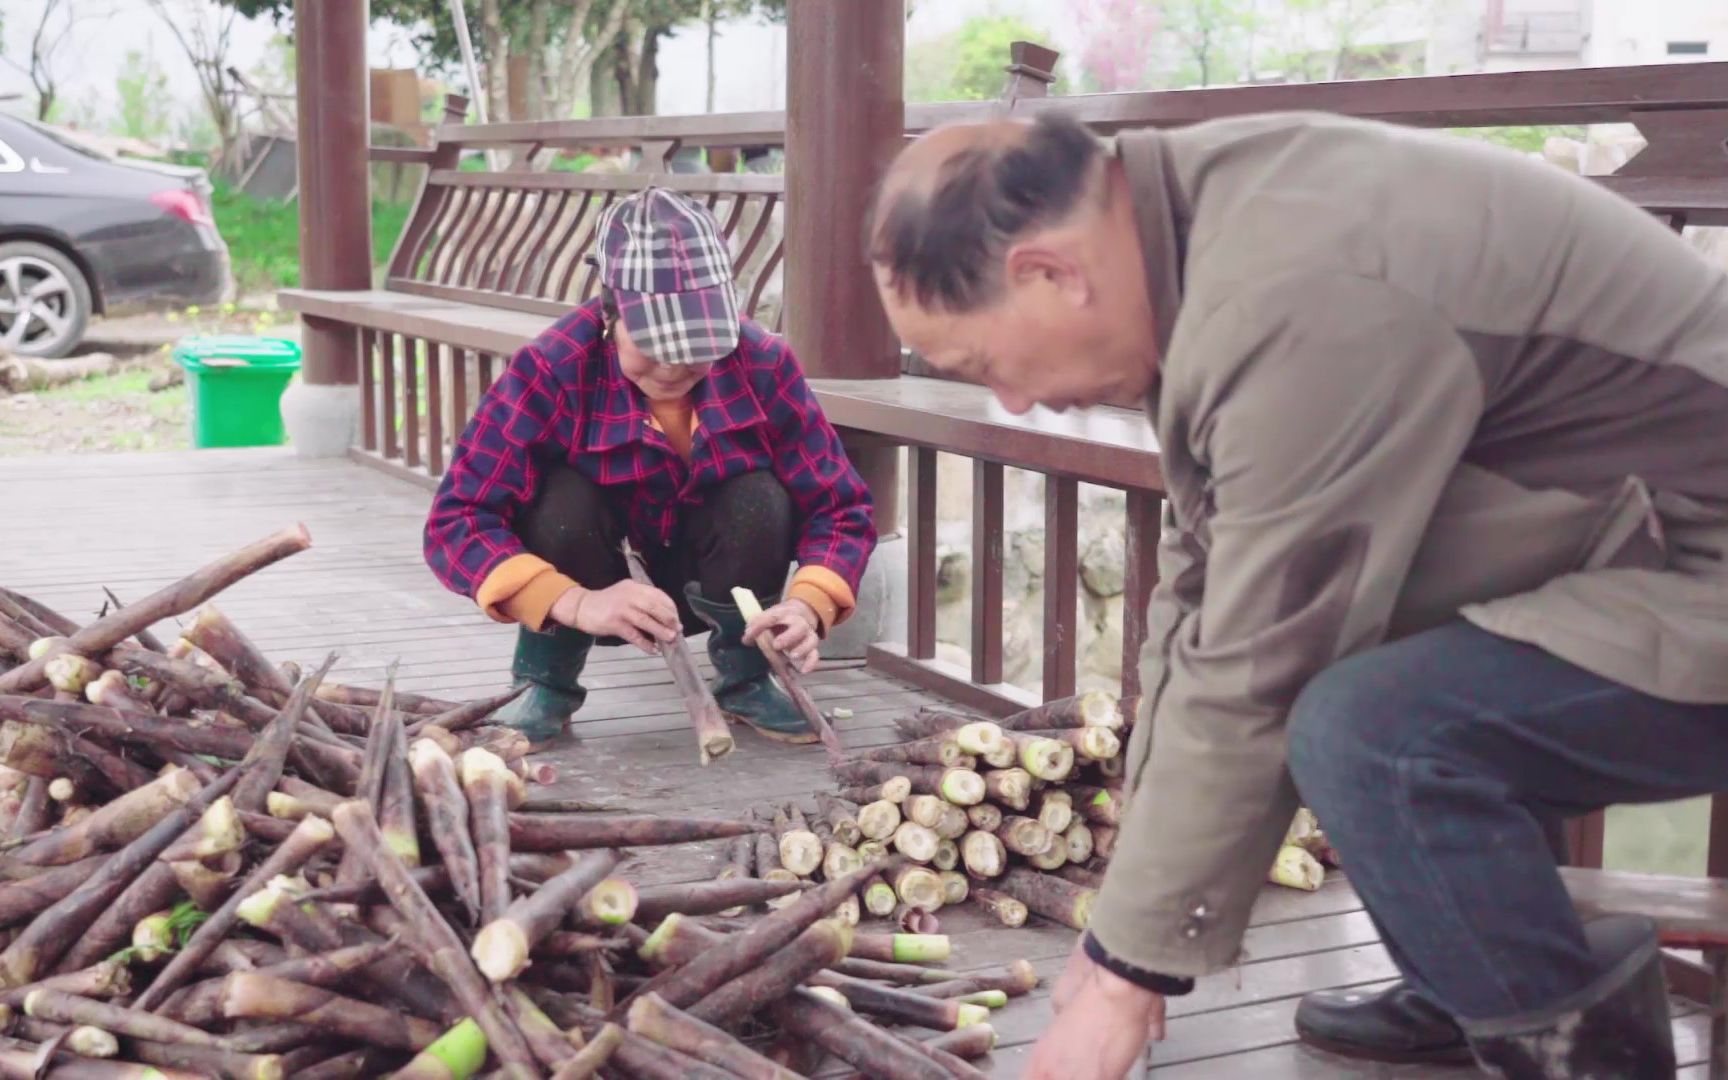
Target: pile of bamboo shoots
point(1018, 815)
point(217, 866)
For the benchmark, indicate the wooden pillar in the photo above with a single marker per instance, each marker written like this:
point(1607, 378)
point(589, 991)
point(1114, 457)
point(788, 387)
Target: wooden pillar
point(335, 181)
point(845, 120)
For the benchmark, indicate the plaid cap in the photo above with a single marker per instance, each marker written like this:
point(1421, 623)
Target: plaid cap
point(668, 266)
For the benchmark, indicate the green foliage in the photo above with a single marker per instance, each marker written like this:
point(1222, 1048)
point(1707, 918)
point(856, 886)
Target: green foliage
point(142, 88)
point(967, 64)
point(264, 237)
point(1208, 40)
point(1527, 139)
point(183, 921)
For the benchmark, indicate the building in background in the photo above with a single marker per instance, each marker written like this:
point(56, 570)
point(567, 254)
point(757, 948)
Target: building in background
point(1524, 35)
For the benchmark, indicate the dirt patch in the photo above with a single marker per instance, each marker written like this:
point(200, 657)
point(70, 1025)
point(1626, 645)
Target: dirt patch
point(119, 413)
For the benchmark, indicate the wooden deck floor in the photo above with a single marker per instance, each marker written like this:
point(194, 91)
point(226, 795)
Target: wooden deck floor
point(71, 525)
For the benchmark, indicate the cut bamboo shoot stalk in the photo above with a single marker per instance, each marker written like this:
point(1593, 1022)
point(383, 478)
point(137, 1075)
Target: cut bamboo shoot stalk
point(839, 859)
point(913, 920)
point(983, 854)
point(250, 995)
point(63, 1008)
point(713, 738)
point(593, 1057)
point(872, 851)
point(947, 855)
point(201, 1003)
point(1005, 756)
point(800, 850)
point(848, 912)
point(84, 1040)
point(1045, 759)
point(1078, 840)
point(915, 841)
point(208, 1061)
point(940, 750)
point(1094, 708)
point(894, 790)
point(309, 837)
point(1008, 911)
point(1111, 769)
point(954, 887)
point(70, 673)
point(583, 832)
point(968, 1043)
point(108, 979)
point(1079, 875)
point(1011, 788)
point(903, 1007)
point(1053, 856)
point(501, 949)
point(652, 1018)
point(447, 819)
point(739, 952)
point(218, 832)
point(217, 637)
point(23, 899)
point(176, 599)
point(455, 1055)
point(1098, 805)
point(484, 783)
point(985, 816)
point(608, 904)
point(396, 806)
point(40, 945)
point(1090, 743)
point(1103, 842)
point(868, 1048)
point(926, 810)
point(45, 648)
point(1294, 868)
point(460, 717)
point(551, 1046)
point(211, 883)
point(880, 899)
point(917, 886)
point(112, 690)
point(1056, 810)
point(878, 820)
point(1305, 833)
point(270, 751)
point(953, 823)
point(823, 943)
point(656, 902)
point(112, 825)
point(790, 679)
point(1024, 836)
point(677, 940)
point(1050, 896)
point(432, 939)
point(1016, 980)
point(841, 817)
point(364, 697)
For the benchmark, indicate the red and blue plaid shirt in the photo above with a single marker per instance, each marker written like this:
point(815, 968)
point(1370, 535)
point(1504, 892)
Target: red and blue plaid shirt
point(564, 394)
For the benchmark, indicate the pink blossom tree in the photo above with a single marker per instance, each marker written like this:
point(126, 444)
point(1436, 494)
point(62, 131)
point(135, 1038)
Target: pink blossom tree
point(1121, 42)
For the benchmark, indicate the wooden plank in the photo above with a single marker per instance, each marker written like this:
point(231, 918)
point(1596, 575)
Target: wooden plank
point(1689, 912)
point(921, 551)
point(387, 353)
point(1140, 550)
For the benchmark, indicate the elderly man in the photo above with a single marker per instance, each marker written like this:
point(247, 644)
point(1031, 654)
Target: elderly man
point(1445, 433)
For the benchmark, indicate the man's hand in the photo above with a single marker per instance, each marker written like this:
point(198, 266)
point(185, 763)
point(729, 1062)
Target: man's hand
point(640, 614)
point(1103, 1023)
point(793, 625)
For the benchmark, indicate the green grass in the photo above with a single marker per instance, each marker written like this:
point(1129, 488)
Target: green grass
point(264, 237)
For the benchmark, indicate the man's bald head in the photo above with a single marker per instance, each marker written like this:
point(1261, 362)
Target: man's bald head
point(957, 199)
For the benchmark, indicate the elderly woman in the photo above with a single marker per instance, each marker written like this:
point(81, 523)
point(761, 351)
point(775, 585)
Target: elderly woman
point(655, 413)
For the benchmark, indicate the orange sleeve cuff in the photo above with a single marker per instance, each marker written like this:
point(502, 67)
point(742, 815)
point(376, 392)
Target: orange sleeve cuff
point(825, 591)
point(522, 589)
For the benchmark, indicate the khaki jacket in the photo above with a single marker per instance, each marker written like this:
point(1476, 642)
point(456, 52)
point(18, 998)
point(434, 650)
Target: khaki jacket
point(1404, 377)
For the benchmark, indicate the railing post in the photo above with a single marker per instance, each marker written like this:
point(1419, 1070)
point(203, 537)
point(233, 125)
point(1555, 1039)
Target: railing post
point(321, 410)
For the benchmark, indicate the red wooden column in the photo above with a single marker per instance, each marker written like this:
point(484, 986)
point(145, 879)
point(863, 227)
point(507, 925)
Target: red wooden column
point(335, 181)
point(845, 120)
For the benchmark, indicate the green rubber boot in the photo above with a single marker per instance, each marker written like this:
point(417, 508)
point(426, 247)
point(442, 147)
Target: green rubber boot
point(743, 686)
point(551, 663)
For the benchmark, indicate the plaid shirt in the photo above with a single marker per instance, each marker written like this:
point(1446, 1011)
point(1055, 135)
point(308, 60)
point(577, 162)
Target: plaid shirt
point(564, 394)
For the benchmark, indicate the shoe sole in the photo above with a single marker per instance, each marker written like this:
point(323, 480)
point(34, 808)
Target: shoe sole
point(790, 738)
point(1451, 1055)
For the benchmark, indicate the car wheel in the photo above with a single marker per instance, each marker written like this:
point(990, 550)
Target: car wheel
point(44, 301)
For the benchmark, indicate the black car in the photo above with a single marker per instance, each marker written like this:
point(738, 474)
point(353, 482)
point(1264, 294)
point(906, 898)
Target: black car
point(82, 233)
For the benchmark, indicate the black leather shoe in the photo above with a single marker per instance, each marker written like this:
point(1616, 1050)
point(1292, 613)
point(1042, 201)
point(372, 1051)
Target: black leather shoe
point(1393, 1025)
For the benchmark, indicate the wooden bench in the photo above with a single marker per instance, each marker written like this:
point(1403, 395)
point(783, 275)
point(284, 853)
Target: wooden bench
point(1690, 914)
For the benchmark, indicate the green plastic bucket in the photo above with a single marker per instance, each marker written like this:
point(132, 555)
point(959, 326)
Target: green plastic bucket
point(236, 384)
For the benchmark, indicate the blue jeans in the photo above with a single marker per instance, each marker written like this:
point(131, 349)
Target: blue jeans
point(1440, 764)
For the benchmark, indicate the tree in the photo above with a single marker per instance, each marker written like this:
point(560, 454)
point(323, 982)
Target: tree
point(1121, 43)
point(142, 88)
point(969, 63)
point(49, 51)
point(1329, 39)
point(1208, 39)
point(207, 42)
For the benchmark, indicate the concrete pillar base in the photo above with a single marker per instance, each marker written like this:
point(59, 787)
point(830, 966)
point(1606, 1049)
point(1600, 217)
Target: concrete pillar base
point(881, 614)
point(321, 420)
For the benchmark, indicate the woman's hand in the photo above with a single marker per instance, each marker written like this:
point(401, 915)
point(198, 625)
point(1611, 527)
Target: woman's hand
point(795, 630)
point(640, 614)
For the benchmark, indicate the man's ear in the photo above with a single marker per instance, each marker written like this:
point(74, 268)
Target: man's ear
point(1034, 265)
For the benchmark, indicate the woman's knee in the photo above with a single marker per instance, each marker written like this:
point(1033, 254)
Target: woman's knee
point(570, 524)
